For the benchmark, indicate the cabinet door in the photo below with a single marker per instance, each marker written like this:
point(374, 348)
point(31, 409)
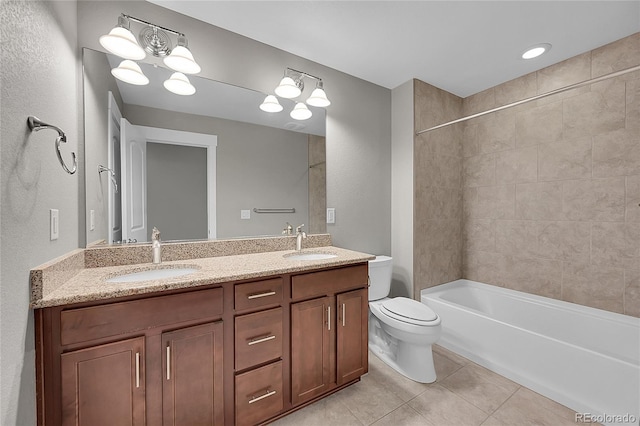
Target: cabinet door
point(192, 385)
point(311, 331)
point(352, 355)
point(103, 385)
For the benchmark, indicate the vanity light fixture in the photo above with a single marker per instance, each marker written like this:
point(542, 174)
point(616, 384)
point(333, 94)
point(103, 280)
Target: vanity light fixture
point(271, 104)
point(300, 112)
point(179, 84)
point(535, 51)
point(153, 39)
point(291, 86)
point(130, 72)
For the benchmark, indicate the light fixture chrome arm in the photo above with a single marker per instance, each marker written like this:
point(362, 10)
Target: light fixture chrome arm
point(142, 21)
point(35, 125)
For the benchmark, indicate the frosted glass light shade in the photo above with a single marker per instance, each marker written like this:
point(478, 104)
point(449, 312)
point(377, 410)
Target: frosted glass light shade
point(535, 51)
point(300, 112)
point(318, 98)
point(120, 41)
point(182, 60)
point(130, 72)
point(288, 88)
point(179, 84)
point(271, 104)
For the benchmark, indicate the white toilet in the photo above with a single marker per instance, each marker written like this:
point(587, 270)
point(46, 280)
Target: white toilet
point(401, 330)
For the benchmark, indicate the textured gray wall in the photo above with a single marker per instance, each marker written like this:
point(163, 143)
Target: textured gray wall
point(39, 76)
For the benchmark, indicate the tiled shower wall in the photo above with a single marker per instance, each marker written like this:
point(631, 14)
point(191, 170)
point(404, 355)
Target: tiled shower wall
point(543, 197)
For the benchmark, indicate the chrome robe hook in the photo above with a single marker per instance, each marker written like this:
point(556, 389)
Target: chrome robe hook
point(35, 124)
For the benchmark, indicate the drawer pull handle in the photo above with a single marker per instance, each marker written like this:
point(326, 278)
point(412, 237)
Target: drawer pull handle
point(259, 295)
point(137, 369)
point(168, 362)
point(258, 398)
point(329, 318)
point(260, 339)
point(343, 314)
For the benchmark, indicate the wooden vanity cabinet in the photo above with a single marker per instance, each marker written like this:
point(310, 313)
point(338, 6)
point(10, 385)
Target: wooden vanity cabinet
point(242, 353)
point(328, 333)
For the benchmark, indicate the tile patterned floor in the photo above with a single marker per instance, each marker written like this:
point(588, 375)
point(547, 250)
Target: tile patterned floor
point(464, 394)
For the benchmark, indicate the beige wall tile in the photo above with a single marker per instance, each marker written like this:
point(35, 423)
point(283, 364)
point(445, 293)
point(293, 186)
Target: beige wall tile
point(518, 165)
point(443, 141)
point(632, 90)
point(542, 124)
point(632, 292)
point(632, 199)
point(598, 111)
point(482, 266)
point(479, 170)
point(531, 274)
point(433, 106)
point(437, 203)
point(516, 89)
point(568, 241)
point(479, 235)
point(441, 171)
point(596, 199)
point(496, 132)
point(594, 286)
point(539, 201)
point(565, 73)
point(489, 202)
point(616, 153)
point(616, 56)
point(437, 252)
point(479, 102)
point(517, 237)
point(616, 244)
point(566, 159)
point(470, 140)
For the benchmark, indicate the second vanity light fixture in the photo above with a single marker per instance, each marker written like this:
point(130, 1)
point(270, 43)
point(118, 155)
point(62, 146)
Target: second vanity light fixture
point(155, 41)
point(291, 86)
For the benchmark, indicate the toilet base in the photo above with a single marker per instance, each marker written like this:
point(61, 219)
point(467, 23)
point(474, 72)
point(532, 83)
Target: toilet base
point(412, 361)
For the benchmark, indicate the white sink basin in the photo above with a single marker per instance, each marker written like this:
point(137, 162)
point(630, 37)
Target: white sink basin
point(153, 274)
point(310, 256)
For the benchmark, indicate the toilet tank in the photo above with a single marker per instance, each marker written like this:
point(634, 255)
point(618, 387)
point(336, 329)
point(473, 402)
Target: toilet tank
point(380, 276)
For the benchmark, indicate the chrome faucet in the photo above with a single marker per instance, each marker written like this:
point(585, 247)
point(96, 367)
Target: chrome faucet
point(156, 249)
point(300, 234)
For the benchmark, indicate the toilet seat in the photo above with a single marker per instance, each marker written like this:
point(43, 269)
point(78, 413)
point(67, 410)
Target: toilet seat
point(408, 311)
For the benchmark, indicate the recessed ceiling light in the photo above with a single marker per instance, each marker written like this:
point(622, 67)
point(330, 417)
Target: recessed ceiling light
point(535, 51)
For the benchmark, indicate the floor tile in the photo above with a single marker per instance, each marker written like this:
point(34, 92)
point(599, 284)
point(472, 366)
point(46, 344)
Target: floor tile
point(401, 386)
point(405, 416)
point(529, 408)
point(369, 400)
point(327, 411)
point(439, 406)
point(481, 387)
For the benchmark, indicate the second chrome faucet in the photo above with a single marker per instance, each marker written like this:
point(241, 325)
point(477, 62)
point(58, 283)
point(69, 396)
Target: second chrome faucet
point(300, 234)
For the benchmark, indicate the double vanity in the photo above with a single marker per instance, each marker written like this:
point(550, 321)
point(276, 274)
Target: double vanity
point(237, 334)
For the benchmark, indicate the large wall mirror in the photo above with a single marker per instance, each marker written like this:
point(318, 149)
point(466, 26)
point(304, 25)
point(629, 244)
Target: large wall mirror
point(208, 165)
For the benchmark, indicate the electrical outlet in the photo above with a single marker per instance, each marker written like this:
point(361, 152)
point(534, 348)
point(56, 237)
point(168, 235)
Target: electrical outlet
point(54, 224)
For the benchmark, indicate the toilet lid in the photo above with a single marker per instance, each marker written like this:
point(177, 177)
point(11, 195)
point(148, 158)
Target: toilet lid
point(408, 310)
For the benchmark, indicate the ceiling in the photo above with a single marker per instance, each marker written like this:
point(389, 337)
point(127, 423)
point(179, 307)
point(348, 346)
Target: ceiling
point(463, 47)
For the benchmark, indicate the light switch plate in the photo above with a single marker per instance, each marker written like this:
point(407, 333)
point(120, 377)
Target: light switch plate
point(245, 214)
point(331, 215)
point(54, 224)
point(92, 220)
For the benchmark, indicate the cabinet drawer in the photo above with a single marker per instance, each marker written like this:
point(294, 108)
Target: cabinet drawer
point(305, 286)
point(258, 294)
point(258, 338)
point(259, 394)
point(83, 324)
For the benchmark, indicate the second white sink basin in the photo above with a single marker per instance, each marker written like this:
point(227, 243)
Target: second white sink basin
point(153, 274)
point(310, 256)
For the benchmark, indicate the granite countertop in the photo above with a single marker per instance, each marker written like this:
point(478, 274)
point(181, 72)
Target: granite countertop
point(89, 284)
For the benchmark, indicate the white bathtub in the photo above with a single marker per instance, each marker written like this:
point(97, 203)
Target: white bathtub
point(584, 358)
